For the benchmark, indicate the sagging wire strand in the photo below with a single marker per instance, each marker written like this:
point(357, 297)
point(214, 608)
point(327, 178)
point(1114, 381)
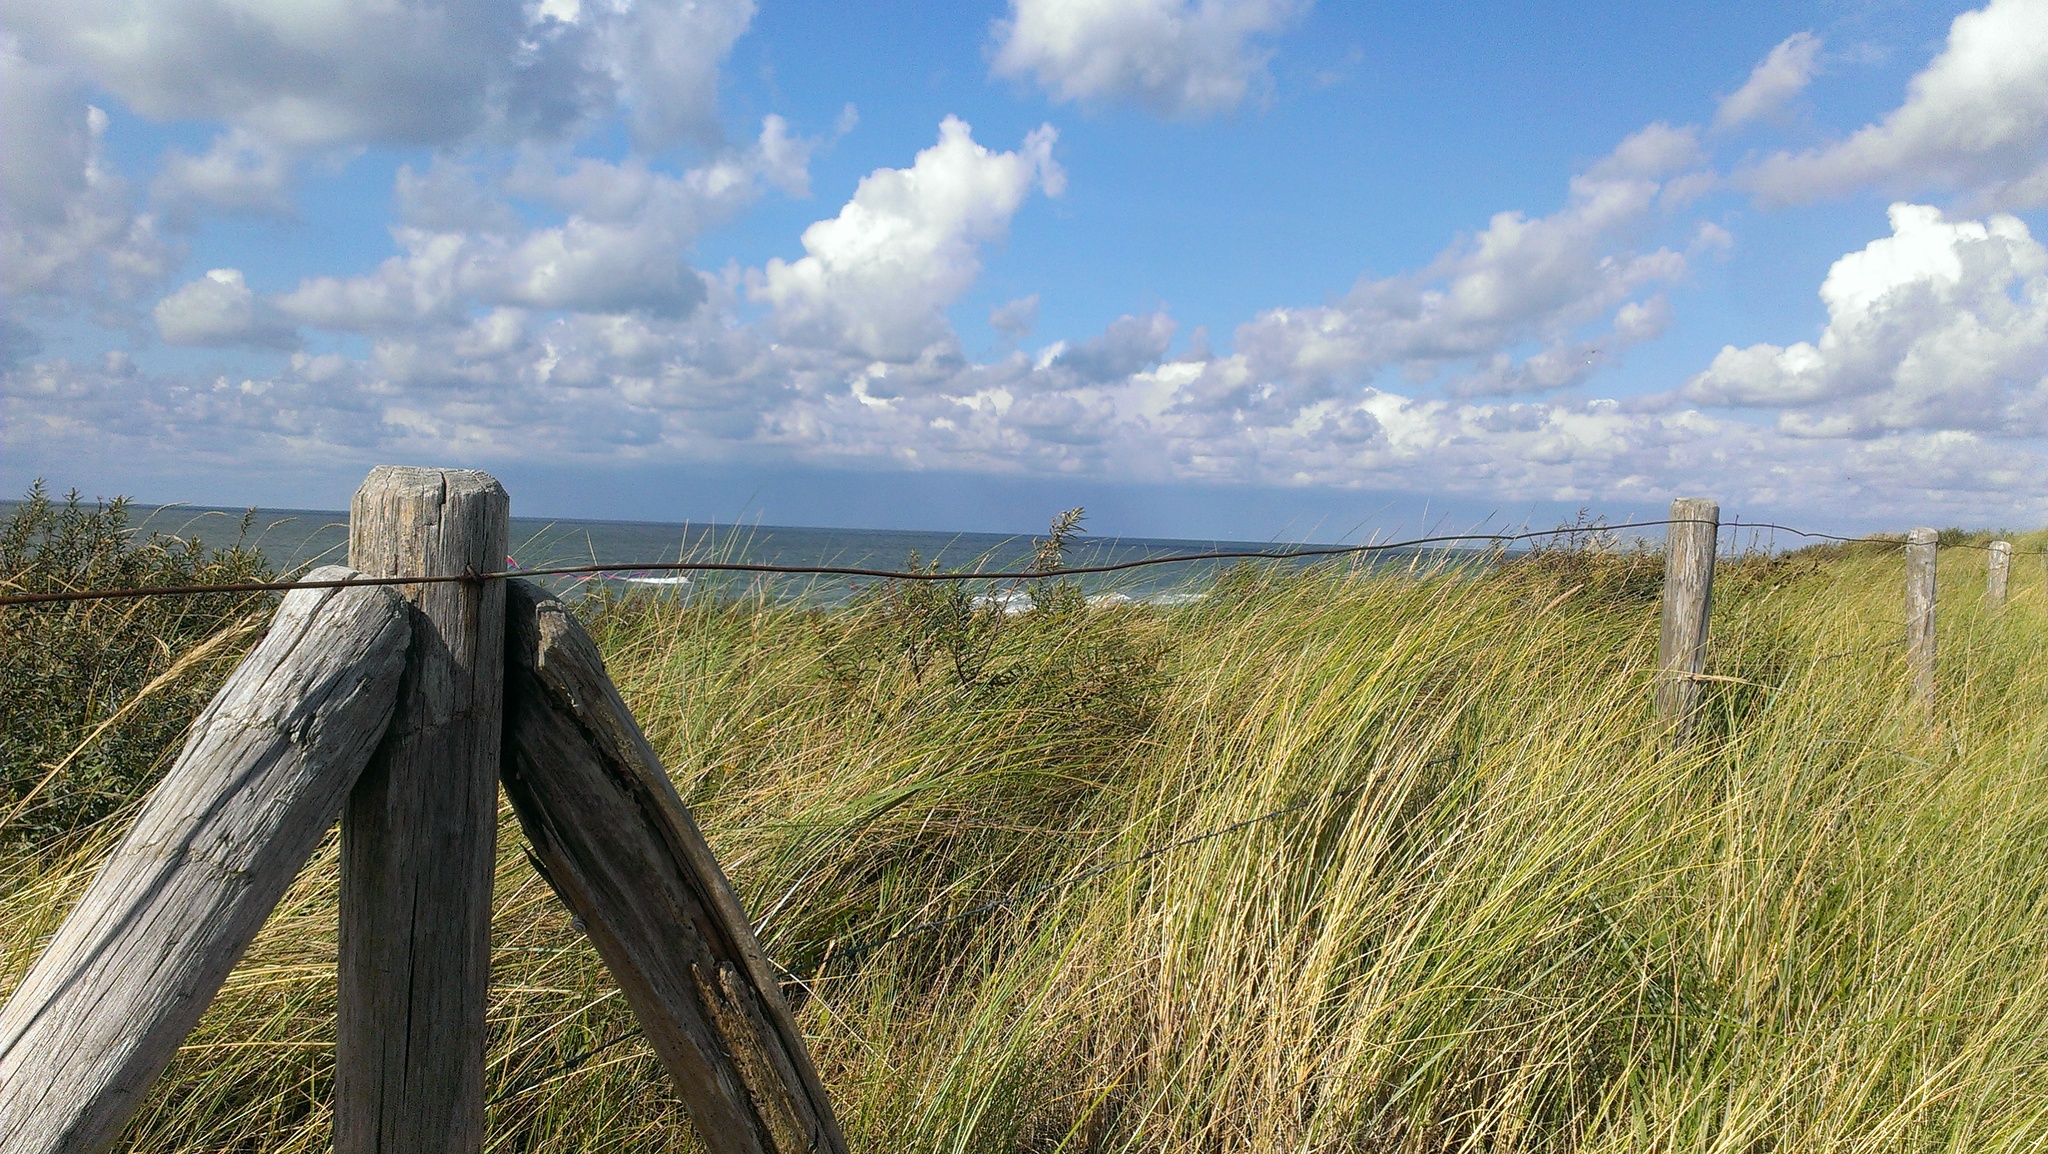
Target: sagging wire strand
point(1496, 541)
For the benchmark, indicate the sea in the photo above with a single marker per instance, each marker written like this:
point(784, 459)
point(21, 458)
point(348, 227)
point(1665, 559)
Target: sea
point(294, 539)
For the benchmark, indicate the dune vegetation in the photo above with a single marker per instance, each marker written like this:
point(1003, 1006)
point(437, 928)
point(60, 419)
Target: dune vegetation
point(1333, 859)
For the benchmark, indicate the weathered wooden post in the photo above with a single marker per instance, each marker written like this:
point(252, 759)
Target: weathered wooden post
point(418, 836)
point(218, 841)
point(1997, 571)
point(613, 838)
point(1920, 547)
point(1689, 545)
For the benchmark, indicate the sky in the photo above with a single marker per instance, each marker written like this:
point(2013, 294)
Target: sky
point(1226, 268)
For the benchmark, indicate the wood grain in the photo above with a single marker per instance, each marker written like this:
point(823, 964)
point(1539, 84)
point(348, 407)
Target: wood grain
point(1688, 601)
point(261, 778)
point(618, 845)
point(418, 838)
point(1920, 552)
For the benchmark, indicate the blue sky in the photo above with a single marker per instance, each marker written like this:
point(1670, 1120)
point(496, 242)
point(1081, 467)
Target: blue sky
point(1239, 268)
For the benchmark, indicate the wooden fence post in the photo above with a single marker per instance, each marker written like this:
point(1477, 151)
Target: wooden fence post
point(419, 834)
point(1997, 571)
point(1689, 545)
point(615, 841)
point(1920, 548)
point(260, 780)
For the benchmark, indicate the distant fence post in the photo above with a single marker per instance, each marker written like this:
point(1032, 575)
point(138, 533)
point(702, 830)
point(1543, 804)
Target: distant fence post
point(1689, 546)
point(1997, 571)
point(419, 833)
point(1920, 548)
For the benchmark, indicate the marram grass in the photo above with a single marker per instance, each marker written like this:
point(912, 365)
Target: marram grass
point(1502, 915)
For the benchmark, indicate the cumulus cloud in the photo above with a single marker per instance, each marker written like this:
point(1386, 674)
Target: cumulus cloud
point(664, 58)
point(241, 172)
point(1942, 326)
point(1015, 318)
point(622, 388)
point(877, 278)
point(1974, 121)
point(67, 221)
point(608, 388)
point(854, 361)
point(1175, 57)
point(431, 72)
point(1520, 279)
point(584, 265)
point(452, 197)
point(220, 309)
point(326, 74)
point(1652, 152)
point(1127, 346)
point(623, 246)
point(543, 306)
point(1773, 83)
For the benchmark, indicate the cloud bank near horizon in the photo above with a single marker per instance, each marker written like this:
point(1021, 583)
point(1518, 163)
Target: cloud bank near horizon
point(540, 302)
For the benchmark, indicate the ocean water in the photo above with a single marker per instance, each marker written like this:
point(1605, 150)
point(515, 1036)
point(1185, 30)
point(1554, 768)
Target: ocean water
point(294, 538)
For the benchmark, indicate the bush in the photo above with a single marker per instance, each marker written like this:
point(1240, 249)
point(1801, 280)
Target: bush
point(98, 694)
point(1588, 560)
point(1027, 648)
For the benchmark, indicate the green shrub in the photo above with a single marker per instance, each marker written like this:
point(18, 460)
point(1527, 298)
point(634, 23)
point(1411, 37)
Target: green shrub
point(98, 694)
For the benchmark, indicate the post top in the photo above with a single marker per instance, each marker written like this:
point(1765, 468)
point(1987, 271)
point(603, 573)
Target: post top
point(1695, 509)
point(1923, 535)
point(407, 521)
point(400, 478)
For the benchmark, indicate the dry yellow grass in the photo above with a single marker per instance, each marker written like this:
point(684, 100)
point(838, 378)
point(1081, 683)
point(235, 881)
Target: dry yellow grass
point(1505, 918)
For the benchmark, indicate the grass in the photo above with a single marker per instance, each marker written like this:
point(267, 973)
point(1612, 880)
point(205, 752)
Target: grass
point(1501, 914)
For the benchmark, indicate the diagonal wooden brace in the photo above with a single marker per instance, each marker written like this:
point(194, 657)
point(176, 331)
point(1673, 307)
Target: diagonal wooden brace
point(616, 842)
point(218, 841)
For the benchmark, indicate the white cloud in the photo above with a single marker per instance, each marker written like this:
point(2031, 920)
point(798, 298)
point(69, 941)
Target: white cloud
point(1942, 326)
point(785, 160)
point(52, 138)
point(1974, 121)
point(856, 363)
point(607, 390)
point(584, 265)
point(242, 172)
point(1015, 318)
point(1773, 83)
point(664, 58)
point(220, 309)
point(1518, 280)
point(1652, 152)
point(623, 246)
point(1175, 57)
point(320, 73)
point(589, 337)
point(67, 222)
point(1564, 364)
point(452, 197)
point(510, 384)
point(424, 72)
point(877, 277)
point(1129, 345)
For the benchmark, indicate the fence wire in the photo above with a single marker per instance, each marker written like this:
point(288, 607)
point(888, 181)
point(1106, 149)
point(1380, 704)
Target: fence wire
point(1496, 541)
